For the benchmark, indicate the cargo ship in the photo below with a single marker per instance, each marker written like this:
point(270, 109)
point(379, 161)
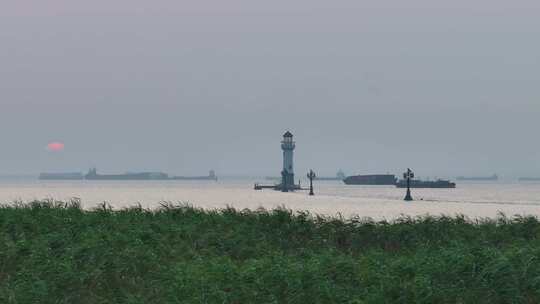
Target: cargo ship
point(374, 179)
point(415, 183)
point(61, 176)
point(93, 175)
point(494, 177)
point(211, 176)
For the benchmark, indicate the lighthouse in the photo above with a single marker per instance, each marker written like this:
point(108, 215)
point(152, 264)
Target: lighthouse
point(288, 145)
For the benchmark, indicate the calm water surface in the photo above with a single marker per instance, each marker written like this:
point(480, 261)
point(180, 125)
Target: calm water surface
point(472, 199)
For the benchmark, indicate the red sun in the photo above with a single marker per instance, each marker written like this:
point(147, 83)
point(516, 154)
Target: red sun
point(55, 147)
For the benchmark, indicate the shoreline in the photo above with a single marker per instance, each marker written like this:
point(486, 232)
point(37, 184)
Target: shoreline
point(376, 209)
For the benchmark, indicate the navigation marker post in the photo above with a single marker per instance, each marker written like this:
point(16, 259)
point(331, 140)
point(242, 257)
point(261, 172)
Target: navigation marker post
point(408, 176)
point(311, 175)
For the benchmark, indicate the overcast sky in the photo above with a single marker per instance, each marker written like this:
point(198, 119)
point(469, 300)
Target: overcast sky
point(445, 87)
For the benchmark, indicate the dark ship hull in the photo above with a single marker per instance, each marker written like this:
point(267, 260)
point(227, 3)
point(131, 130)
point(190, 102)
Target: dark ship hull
point(426, 184)
point(375, 179)
point(211, 176)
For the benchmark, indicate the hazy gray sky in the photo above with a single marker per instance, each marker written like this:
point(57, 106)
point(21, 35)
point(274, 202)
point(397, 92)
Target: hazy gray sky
point(445, 87)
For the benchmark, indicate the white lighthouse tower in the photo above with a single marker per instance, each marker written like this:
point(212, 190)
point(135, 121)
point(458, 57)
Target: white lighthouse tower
point(288, 145)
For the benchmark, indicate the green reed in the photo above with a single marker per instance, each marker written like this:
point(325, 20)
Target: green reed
point(55, 252)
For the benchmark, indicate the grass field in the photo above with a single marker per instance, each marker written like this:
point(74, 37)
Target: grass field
point(52, 252)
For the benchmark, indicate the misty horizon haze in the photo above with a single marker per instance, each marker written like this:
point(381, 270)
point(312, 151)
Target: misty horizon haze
point(183, 87)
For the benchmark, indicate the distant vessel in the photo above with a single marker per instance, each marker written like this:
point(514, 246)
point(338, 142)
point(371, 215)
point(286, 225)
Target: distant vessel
point(62, 176)
point(93, 175)
point(415, 183)
point(374, 179)
point(494, 177)
point(211, 176)
point(339, 177)
point(529, 179)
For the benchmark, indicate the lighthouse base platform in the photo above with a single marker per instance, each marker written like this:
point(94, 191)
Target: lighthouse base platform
point(278, 187)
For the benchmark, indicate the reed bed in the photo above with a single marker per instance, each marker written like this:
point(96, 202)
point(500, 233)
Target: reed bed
point(56, 252)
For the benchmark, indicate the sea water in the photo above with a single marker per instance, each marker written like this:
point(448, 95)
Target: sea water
point(332, 197)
